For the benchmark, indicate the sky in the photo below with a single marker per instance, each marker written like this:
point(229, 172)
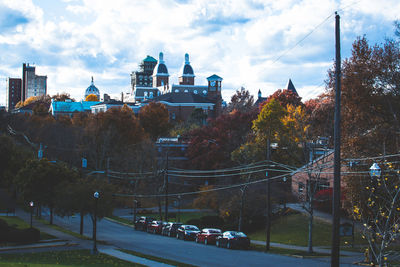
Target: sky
point(255, 44)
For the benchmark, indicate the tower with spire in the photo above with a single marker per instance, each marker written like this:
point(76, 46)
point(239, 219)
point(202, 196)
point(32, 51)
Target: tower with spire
point(160, 74)
point(187, 73)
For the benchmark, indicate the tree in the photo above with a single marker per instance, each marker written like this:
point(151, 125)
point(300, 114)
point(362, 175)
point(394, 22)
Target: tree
point(109, 134)
point(77, 196)
point(370, 112)
point(285, 97)
point(379, 212)
point(320, 113)
point(63, 96)
point(268, 124)
point(91, 97)
point(154, 119)
point(39, 179)
point(241, 101)
point(210, 146)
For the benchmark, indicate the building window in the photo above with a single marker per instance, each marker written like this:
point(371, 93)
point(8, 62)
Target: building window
point(145, 94)
point(176, 91)
point(186, 91)
point(173, 116)
point(205, 92)
point(195, 91)
point(151, 94)
point(301, 188)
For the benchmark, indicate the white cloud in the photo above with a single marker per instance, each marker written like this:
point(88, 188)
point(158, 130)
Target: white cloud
point(247, 42)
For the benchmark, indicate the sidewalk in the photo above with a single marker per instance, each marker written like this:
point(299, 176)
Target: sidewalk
point(315, 249)
point(64, 239)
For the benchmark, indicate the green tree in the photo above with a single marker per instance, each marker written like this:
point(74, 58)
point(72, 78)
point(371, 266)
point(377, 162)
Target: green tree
point(77, 197)
point(38, 180)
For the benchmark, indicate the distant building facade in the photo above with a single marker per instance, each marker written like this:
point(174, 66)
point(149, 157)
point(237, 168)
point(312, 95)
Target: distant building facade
point(32, 84)
point(13, 92)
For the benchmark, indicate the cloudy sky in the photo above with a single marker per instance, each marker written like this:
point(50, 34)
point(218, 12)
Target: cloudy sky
point(257, 44)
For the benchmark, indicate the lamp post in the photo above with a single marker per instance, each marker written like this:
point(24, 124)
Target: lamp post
point(96, 196)
point(31, 204)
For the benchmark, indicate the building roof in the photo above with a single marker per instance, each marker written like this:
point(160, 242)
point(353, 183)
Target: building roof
point(161, 68)
point(70, 107)
point(214, 77)
point(149, 59)
point(187, 69)
point(291, 87)
point(181, 98)
point(92, 89)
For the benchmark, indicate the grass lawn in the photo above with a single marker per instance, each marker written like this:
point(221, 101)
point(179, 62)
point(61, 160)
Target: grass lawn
point(285, 251)
point(61, 258)
point(158, 259)
point(20, 224)
point(293, 230)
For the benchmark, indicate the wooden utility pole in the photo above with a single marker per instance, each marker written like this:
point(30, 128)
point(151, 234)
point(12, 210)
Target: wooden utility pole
point(335, 252)
point(166, 190)
point(268, 223)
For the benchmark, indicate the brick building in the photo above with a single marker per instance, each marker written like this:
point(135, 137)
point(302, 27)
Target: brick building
point(13, 92)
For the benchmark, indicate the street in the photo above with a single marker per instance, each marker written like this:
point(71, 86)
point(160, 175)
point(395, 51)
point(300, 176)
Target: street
point(189, 252)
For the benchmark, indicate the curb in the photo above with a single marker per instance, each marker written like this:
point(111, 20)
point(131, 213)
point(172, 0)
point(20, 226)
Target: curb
point(122, 223)
point(37, 246)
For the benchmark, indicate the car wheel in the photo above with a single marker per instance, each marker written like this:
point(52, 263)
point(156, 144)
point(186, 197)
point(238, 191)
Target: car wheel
point(228, 245)
point(197, 240)
point(217, 243)
point(205, 241)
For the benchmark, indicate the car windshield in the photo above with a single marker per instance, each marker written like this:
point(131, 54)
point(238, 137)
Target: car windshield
point(238, 234)
point(191, 227)
point(214, 231)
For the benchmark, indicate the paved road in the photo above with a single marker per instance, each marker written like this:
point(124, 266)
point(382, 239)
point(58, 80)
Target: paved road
point(183, 251)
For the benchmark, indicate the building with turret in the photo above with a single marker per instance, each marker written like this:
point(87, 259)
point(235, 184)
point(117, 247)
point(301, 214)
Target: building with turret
point(181, 99)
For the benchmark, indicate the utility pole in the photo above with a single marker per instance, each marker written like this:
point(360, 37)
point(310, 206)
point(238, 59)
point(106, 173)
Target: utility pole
point(107, 167)
point(335, 252)
point(166, 190)
point(268, 223)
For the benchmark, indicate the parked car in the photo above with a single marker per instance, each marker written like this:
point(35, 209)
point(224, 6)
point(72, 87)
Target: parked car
point(172, 229)
point(233, 239)
point(142, 223)
point(165, 229)
point(208, 236)
point(187, 232)
point(155, 227)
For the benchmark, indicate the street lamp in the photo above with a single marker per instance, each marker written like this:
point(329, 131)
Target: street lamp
point(31, 204)
point(375, 170)
point(96, 196)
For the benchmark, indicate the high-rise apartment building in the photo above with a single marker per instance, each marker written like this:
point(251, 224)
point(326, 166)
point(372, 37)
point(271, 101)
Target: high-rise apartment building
point(13, 92)
point(32, 84)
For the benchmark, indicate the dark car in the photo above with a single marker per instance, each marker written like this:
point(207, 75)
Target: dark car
point(142, 223)
point(233, 239)
point(187, 232)
point(171, 228)
point(155, 227)
point(208, 236)
point(165, 228)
